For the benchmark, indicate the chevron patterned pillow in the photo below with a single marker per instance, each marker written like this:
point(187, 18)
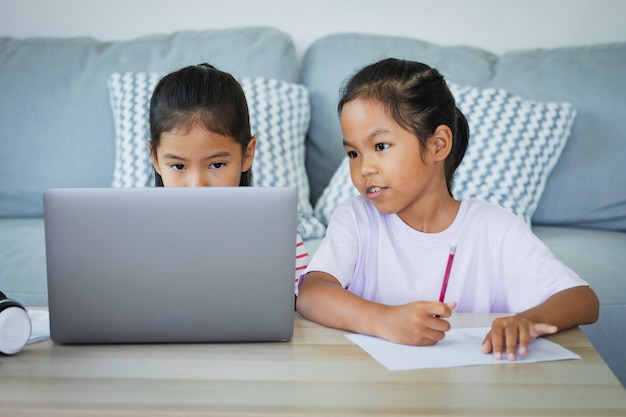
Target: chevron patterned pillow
point(514, 145)
point(279, 118)
point(129, 94)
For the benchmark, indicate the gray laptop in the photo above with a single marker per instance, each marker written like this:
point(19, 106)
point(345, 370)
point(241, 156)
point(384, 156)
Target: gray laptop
point(170, 265)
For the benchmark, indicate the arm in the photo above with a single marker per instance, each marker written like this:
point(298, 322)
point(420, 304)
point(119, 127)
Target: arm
point(322, 299)
point(563, 310)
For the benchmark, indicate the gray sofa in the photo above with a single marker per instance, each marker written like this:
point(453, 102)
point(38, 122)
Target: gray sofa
point(57, 129)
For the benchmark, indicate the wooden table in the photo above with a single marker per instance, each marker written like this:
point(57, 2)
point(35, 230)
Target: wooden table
point(320, 372)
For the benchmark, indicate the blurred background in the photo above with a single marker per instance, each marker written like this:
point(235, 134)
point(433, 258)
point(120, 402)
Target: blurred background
point(495, 25)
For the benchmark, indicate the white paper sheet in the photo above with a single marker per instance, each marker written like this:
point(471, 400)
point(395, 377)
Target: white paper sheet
point(40, 325)
point(461, 347)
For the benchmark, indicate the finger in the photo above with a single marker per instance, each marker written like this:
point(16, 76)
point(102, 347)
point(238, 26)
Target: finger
point(434, 335)
point(439, 310)
point(512, 338)
point(497, 338)
point(437, 323)
point(540, 329)
point(524, 340)
point(424, 338)
point(487, 346)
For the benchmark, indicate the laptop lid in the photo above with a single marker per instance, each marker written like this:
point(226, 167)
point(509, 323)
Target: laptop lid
point(164, 265)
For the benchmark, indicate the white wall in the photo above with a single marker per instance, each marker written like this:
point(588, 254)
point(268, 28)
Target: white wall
point(495, 25)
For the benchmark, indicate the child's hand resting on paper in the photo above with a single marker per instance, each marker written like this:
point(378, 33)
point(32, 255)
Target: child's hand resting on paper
point(322, 299)
point(419, 323)
point(512, 333)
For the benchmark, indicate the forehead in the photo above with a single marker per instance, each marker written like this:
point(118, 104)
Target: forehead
point(196, 140)
point(363, 105)
point(366, 119)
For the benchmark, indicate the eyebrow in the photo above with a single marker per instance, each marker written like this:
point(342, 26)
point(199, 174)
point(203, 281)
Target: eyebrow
point(172, 156)
point(372, 136)
point(221, 154)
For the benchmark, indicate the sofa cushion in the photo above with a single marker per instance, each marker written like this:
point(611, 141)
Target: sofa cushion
point(55, 117)
point(514, 145)
point(279, 118)
point(586, 187)
point(598, 257)
point(23, 261)
point(130, 94)
point(329, 61)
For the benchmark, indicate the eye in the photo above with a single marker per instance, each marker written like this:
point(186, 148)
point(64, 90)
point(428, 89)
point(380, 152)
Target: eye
point(381, 146)
point(177, 167)
point(217, 165)
point(352, 154)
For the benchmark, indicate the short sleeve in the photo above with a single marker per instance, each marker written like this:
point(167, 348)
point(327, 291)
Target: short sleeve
point(338, 252)
point(302, 261)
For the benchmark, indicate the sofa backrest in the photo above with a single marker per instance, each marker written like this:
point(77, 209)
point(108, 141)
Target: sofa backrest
point(586, 187)
point(56, 124)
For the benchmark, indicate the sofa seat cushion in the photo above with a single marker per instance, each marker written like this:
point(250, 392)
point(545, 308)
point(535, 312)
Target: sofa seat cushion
point(598, 257)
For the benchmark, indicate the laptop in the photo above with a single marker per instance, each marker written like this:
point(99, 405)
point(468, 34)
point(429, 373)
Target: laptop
point(170, 265)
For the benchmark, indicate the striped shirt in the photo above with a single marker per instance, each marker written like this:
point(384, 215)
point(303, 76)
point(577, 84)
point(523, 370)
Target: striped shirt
point(302, 261)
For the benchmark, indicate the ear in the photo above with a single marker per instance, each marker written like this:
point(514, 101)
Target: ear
point(153, 157)
point(441, 143)
point(248, 155)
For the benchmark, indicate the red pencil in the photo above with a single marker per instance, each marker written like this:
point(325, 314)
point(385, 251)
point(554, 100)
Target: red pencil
point(446, 276)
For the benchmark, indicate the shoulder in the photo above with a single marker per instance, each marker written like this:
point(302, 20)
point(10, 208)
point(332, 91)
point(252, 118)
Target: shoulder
point(483, 212)
point(497, 228)
point(492, 222)
point(356, 217)
point(357, 208)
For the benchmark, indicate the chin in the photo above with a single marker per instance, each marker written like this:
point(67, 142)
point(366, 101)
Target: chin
point(384, 209)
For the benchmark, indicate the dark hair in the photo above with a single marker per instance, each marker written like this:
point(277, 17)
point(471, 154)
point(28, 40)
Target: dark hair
point(200, 94)
point(417, 97)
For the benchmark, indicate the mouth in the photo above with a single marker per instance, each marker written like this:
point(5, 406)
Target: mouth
point(373, 191)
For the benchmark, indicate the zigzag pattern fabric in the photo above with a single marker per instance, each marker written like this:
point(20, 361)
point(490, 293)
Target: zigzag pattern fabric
point(339, 189)
point(279, 118)
point(130, 97)
point(514, 145)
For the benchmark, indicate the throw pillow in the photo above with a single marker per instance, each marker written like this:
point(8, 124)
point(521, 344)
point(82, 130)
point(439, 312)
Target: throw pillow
point(514, 145)
point(279, 118)
point(130, 98)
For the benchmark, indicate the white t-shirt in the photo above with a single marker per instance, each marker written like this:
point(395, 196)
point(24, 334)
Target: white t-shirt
point(499, 264)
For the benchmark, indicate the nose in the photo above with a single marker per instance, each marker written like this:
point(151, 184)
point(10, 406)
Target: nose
point(197, 179)
point(368, 165)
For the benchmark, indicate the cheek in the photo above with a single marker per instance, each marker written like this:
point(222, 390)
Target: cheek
point(407, 169)
point(167, 180)
point(228, 177)
point(355, 174)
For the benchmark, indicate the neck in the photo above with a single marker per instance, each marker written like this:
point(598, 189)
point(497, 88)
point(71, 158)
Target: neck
point(433, 216)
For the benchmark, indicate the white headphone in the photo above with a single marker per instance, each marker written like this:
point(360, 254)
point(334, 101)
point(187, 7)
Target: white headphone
point(15, 326)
